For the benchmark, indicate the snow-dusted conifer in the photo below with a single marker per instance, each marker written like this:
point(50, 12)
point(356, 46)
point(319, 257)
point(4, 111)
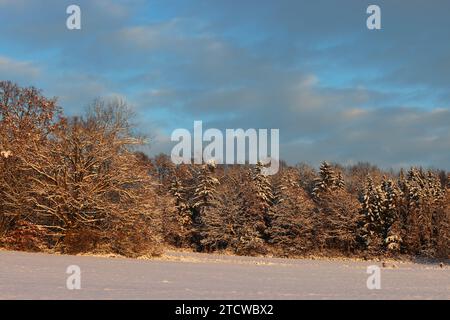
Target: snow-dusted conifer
point(326, 181)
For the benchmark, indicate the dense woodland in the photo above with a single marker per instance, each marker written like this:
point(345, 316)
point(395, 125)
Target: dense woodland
point(78, 184)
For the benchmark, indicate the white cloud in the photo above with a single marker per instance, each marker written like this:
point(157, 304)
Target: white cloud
point(15, 70)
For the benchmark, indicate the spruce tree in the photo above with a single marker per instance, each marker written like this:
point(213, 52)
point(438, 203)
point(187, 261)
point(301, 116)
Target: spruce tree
point(291, 227)
point(340, 183)
point(222, 223)
point(327, 180)
point(263, 187)
point(442, 223)
point(205, 194)
point(251, 220)
point(424, 197)
point(371, 210)
point(183, 214)
point(204, 199)
point(391, 226)
point(264, 197)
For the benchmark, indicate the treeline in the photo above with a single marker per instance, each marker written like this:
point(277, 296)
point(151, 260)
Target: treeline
point(79, 185)
point(355, 211)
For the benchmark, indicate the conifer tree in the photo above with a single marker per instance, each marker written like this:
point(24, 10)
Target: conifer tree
point(205, 194)
point(389, 204)
point(391, 228)
point(263, 198)
point(204, 198)
point(371, 209)
point(442, 223)
point(263, 187)
point(222, 223)
point(250, 220)
point(291, 225)
point(183, 216)
point(336, 221)
point(424, 198)
point(340, 183)
point(178, 191)
point(327, 180)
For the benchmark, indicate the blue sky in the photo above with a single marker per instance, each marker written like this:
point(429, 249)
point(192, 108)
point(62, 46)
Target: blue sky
point(336, 90)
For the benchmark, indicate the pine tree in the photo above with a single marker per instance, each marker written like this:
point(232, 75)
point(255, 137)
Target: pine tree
point(442, 226)
point(340, 183)
point(371, 210)
point(381, 225)
point(204, 198)
point(327, 180)
point(251, 218)
point(178, 191)
point(183, 214)
point(389, 214)
point(292, 212)
point(439, 219)
point(424, 197)
point(264, 197)
point(279, 186)
point(263, 187)
point(391, 227)
point(336, 221)
point(222, 223)
point(205, 194)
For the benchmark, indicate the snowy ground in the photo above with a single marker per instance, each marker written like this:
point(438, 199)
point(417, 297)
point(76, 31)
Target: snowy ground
point(201, 276)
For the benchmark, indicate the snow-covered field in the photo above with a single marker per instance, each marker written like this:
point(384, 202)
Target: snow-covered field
point(203, 276)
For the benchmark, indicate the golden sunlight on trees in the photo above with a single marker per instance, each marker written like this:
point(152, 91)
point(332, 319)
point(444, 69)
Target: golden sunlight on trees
point(76, 181)
point(80, 184)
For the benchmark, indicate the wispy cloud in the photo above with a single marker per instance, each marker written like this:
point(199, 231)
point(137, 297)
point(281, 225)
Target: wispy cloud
point(17, 70)
point(334, 89)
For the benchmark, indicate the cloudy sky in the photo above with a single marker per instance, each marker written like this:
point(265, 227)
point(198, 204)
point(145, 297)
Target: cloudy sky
point(336, 90)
